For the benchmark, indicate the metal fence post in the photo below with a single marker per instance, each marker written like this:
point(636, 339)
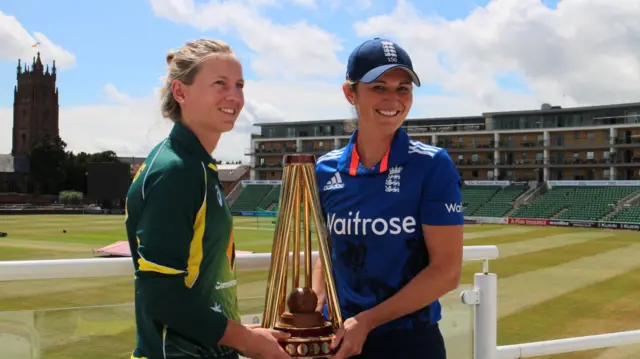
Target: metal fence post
point(484, 298)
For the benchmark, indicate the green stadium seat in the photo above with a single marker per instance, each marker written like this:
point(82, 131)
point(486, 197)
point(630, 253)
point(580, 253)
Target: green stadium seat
point(626, 215)
point(500, 203)
point(589, 203)
point(473, 197)
point(270, 198)
point(251, 197)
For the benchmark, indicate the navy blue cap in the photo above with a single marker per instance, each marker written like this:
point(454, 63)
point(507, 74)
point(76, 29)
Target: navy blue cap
point(375, 57)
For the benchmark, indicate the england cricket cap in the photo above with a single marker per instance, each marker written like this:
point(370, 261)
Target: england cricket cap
point(373, 58)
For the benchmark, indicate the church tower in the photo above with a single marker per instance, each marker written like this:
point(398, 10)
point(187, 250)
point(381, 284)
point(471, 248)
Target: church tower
point(35, 106)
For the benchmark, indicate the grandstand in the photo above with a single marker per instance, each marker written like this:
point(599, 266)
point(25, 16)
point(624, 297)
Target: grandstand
point(626, 215)
point(256, 197)
point(553, 200)
point(490, 201)
point(588, 203)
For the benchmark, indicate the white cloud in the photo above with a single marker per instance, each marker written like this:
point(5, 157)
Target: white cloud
point(584, 49)
point(17, 43)
point(306, 3)
point(285, 51)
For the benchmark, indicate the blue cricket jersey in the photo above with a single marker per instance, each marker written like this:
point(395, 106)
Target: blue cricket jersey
point(375, 216)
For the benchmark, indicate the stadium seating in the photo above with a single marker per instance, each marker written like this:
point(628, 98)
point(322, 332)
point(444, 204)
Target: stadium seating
point(251, 197)
point(270, 198)
point(575, 203)
point(473, 197)
point(500, 203)
point(626, 215)
point(569, 203)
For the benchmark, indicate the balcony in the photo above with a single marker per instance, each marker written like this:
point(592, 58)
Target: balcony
point(474, 164)
point(456, 147)
point(319, 151)
point(601, 162)
point(627, 142)
point(269, 151)
point(267, 167)
point(107, 330)
point(461, 147)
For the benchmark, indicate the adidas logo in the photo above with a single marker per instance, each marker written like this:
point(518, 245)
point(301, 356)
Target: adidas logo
point(334, 183)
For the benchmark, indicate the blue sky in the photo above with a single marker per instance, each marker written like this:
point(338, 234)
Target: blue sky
point(473, 56)
point(122, 42)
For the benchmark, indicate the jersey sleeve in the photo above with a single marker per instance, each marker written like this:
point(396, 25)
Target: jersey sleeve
point(165, 234)
point(441, 202)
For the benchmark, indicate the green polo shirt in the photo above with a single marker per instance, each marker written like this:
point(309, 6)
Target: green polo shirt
point(179, 228)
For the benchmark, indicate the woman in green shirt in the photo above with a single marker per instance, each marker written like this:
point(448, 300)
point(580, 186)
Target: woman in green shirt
point(179, 226)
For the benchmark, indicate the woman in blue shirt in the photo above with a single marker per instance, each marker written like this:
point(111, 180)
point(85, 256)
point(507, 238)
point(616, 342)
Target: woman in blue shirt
point(393, 210)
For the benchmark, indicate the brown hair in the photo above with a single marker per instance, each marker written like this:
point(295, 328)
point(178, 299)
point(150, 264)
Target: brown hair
point(184, 64)
point(351, 125)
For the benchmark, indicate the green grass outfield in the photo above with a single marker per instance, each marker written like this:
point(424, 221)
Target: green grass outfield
point(553, 283)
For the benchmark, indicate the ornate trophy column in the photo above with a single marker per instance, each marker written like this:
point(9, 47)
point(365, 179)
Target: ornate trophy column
point(299, 207)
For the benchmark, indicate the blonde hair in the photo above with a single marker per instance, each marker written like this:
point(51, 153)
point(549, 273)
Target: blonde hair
point(184, 64)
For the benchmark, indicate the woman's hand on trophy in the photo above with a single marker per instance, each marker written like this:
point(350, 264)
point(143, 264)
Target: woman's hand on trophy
point(350, 338)
point(263, 344)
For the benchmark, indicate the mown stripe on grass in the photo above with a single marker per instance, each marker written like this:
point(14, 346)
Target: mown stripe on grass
point(524, 256)
point(528, 289)
point(607, 306)
point(63, 293)
point(15, 253)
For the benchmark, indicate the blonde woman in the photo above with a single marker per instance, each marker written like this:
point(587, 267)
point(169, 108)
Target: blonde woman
point(179, 225)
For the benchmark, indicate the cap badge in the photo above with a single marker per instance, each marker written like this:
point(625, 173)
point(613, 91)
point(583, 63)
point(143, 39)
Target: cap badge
point(389, 51)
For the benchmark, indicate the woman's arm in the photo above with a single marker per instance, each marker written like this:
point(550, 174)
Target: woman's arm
point(319, 285)
point(443, 221)
point(440, 277)
point(166, 267)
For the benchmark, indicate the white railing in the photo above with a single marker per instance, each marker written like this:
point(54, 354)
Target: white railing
point(483, 297)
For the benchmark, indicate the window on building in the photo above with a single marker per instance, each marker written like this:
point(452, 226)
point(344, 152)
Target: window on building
point(474, 157)
point(576, 155)
point(606, 155)
point(590, 135)
point(539, 156)
point(589, 155)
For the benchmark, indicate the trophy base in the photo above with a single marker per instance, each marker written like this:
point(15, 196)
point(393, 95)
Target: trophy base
point(308, 343)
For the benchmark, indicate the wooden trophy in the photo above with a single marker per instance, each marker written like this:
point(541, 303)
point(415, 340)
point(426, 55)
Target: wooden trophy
point(311, 334)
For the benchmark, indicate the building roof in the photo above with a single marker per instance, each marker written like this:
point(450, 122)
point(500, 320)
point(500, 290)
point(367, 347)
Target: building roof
point(325, 122)
point(231, 173)
point(544, 109)
point(132, 160)
point(548, 109)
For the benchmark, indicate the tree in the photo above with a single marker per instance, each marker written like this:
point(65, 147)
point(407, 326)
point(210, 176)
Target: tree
point(48, 165)
point(71, 197)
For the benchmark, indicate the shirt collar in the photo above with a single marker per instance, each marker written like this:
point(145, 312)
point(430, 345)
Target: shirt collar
point(187, 139)
point(396, 155)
